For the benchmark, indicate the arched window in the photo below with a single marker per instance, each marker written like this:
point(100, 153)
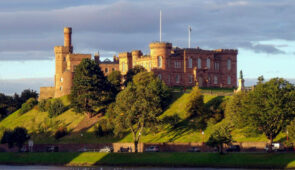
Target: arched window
point(190, 62)
point(159, 61)
point(199, 63)
point(228, 64)
point(208, 63)
point(228, 80)
point(177, 78)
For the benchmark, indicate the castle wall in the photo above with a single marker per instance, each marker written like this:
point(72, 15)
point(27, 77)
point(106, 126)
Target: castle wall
point(46, 92)
point(108, 68)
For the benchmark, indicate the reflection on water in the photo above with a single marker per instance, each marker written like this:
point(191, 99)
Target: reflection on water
point(13, 167)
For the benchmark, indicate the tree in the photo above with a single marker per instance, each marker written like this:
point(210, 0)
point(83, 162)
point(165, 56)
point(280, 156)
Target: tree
point(56, 108)
point(234, 111)
point(195, 105)
point(26, 94)
point(132, 72)
point(221, 135)
point(270, 107)
point(16, 137)
point(291, 130)
point(115, 81)
point(90, 88)
point(20, 136)
point(138, 105)
point(260, 79)
point(28, 105)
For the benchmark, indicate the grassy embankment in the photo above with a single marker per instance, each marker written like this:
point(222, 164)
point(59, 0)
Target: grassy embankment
point(234, 160)
point(35, 120)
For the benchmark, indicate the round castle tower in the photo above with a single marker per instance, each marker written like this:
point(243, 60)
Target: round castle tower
point(160, 51)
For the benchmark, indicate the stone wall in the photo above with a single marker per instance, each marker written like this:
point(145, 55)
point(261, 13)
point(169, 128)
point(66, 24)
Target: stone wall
point(46, 92)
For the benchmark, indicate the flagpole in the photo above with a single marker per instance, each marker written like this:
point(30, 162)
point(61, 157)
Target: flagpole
point(189, 36)
point(160, 25)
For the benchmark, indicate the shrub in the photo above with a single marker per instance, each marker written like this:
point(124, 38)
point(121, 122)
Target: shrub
point(103, 128)
point(18, 137)
point(42, 106)
point(28, 105)
point(56, 108)
point(61, 132)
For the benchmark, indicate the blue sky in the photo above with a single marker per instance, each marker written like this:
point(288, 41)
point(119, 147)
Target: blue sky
point(262, 31)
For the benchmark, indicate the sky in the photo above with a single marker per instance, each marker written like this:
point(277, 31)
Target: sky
point(262, 31)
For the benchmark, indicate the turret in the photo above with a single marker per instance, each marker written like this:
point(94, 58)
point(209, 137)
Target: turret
point(135, 55)
point(67, 36)
point(160, 51)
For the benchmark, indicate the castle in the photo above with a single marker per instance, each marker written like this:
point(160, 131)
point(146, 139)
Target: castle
point(175, 66)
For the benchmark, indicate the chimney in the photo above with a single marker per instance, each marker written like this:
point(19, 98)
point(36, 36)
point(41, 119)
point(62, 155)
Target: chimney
point(67, 36)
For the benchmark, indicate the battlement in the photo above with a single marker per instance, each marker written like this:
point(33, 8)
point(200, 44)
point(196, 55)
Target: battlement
point(124, 54)
point(233, 51)
point(160, 45)
point(62, 49)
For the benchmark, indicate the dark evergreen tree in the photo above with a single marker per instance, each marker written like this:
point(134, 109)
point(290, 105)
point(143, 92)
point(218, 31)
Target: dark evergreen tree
point(90, 89)
point(132, 72)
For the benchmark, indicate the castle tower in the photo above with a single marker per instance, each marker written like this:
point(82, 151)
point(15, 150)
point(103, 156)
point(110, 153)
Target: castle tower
point(135, 55)
point(160, 52)
point(97, 58)
point(61, 53)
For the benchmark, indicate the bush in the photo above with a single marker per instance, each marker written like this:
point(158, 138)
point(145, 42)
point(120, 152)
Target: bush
point(28, 105)
point(16, 137)
point(56, 108)
point(42, 106)
point(61, 132)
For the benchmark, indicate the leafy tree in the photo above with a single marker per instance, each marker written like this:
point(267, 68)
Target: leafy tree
point(28, 93)
point(195, 105)
point(28, 105)
point(220, 136)
point(138, 105)
point(8, 138)
point(115, 81)
point(234, 111)
point(16, 137)
point(270, 107)
point(56, 108)
point(20, 136)
point(132, 72)
point(90, 88)
point(291, 130)
point(260, 79)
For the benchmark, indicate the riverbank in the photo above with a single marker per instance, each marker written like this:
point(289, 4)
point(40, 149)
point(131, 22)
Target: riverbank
point(173, 159)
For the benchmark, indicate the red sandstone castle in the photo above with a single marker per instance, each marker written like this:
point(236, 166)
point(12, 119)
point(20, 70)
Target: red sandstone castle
point(175, 66)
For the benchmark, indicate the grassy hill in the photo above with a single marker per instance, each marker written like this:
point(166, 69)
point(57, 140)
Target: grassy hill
point(82, 128)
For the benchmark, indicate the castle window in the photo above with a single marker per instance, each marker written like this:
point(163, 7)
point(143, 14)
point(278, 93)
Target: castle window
point(190, 78)
point(215, 80)
point(106, 70)
point(159, 61)
point(61, 79)
point(160, 76)
point(64, 58)
point(199, 63)
point(177, 64)
point(169, 79)
point(113, 69)
point(190, 62)
point(123, 67)
point(216, 66)
point(177, 78)
point(60, 88)
point(208, 63)
point(228, 80)
point(228, 64)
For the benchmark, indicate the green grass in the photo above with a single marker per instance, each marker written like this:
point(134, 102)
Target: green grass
point(233, 160)
point(33, 119)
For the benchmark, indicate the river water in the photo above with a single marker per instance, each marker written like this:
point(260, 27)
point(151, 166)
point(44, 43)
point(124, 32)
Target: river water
point(37, 167)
